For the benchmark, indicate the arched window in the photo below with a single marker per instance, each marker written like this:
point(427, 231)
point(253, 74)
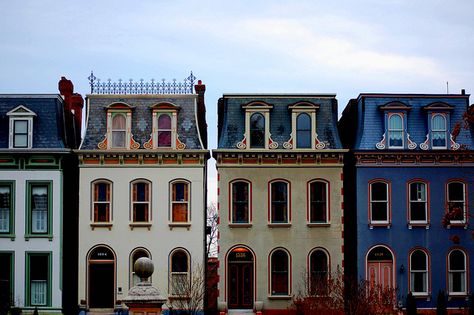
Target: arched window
point(164, 130)
point(280, 272)
point(240, 202)
point(303, 131)
point(257, 131)
point(119, 130)
point(438, 131)
point(318, 272)
point(102, 191)
point(395, 131)
point(141, 201)
point(418, 210)
point(318, 202)
point(137, 253)
point(279, 202)
point(457, 272)
point(180, 202)
point(419, 272)
point(379, 202)
point(179, 274)
point(457, 202)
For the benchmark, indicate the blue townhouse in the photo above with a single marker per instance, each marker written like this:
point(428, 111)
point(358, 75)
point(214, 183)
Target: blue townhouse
point(409, 184)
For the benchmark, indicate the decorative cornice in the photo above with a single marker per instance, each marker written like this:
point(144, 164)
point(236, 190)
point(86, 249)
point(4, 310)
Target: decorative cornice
point(190, 158)
point(415, 158)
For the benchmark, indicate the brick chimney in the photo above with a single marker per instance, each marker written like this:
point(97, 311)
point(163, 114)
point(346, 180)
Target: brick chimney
point(201, 111)
point(73, 104)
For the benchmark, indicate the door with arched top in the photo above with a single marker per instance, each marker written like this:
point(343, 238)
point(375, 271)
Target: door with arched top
point(101, 278)
point(380, 267)
point(240, 279)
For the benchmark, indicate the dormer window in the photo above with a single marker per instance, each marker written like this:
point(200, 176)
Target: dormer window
point(119, 128)
point(438, 131)
point(303, 131)
point(21, 128)
point(438, 136)
point(165, 126)
point(395, 134)
point(395, 131)
point(257, 127)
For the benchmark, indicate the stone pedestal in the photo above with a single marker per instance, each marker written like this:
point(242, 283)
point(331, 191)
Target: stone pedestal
point(144, 299)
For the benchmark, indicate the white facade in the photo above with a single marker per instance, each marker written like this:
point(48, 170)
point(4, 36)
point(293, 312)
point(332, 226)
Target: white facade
point(22, 243)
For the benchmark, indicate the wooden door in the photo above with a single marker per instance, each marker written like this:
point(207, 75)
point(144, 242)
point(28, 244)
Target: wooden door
point(380, 273)
point(240, 285)
point(101, 285)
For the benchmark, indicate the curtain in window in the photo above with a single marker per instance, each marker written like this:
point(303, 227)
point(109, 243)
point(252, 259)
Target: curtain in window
point(118, 130)
point(438, 130)
point(164, 130)
point(38, 266)
point(5, 207)
point(303, 131)
point(180, 202)
point(395, 129)
point(39, 209)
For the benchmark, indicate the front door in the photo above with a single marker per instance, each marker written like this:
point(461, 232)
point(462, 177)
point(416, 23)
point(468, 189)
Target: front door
point(101, 274)
point(380, 267)
point(240, 279)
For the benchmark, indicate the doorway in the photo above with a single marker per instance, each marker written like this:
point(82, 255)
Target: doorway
point(380, 267)
point(240, 284)
point(101, 278)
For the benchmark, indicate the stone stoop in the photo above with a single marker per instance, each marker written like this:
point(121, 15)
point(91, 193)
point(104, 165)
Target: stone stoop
point(240, 312)
point(101, 312)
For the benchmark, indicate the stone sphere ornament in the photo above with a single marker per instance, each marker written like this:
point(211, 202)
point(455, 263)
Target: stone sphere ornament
point(143, 268)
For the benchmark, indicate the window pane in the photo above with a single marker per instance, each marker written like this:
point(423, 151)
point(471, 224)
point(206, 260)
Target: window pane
point(396, 139)
point(118, 139)
point(140, 212)
point(180, 212)
point(257, 131)
point(102, 192)
point(418, 260)
point(164, 139)
point(179, 262)
point(438, 123)
point(5, 207)
point(164, 121)
point(379, 191)
point(395, 131)
point(20, 126)
point(418, 281)
point(417, 211)
point(456, 191)
point(456, 260)
point(118, 122)
point(379, 211)
point(5, 278)
point(303, 131)
point(439, 138)
point(20, 141)
point(101, 212)
point(395, 122)
point(140, 192)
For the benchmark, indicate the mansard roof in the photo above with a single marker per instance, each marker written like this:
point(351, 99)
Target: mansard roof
point(362, 124)
point(142, 106)
point(47, 111)
point(232, 107)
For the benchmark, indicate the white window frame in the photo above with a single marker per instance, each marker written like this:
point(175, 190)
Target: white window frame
point(296, 110)
point(464, 210)
point(174, 118)
point(249, 201)
point(402, 130)
point(187, 202)
point(94, 202)
point(452, 271)
point(288, 262)
point(445, 118)
point(387, 203)
point(326, 184)
point(20, 113)
point(263, 109)
point(288, 203)
point(172, 274)
point(425, 202)
point(425, 271)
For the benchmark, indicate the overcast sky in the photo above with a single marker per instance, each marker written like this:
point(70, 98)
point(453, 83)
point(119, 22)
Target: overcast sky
point(343, 47)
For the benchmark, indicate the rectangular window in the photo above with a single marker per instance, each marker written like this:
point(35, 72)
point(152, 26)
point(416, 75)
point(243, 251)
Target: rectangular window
point(20, 133)
point(240, 202)
point(40, 207)
point(6, 208)
point(457, 202)
point(279, 202)
point(38, 279)
point(6, 278)
point(318, 202)
point(179, 202)
point(141, 202)
point(102, 202)
point(379, 203)
point(418, 203)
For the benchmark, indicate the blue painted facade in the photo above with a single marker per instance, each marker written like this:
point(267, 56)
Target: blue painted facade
point(362, 127)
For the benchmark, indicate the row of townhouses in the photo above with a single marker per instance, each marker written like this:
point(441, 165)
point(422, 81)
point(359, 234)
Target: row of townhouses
point(380, 194)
